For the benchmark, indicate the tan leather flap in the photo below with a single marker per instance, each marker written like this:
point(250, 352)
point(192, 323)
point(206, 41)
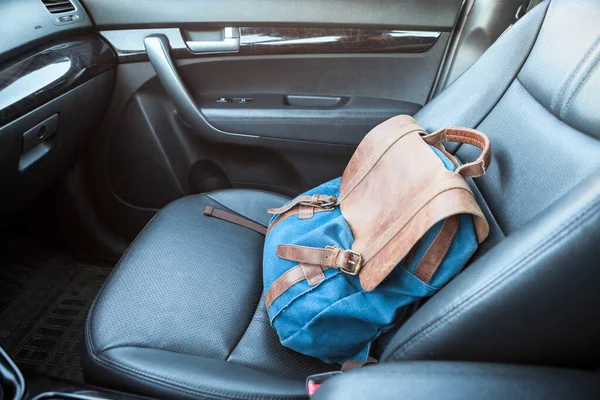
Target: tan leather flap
point(394, 189)
point(372, 148)
point(451, 202)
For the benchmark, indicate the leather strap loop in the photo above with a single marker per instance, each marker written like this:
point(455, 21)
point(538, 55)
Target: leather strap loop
point(313, 274)
point(468, 136)
point(292, 212)
point(306, 212)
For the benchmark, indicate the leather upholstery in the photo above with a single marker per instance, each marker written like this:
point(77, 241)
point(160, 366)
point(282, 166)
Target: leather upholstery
point(181, 315)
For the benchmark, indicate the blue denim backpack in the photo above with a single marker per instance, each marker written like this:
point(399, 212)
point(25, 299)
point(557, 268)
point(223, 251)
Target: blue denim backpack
point(344, 260)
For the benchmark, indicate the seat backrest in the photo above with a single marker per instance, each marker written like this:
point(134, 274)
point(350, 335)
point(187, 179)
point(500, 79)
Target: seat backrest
point(532, 294)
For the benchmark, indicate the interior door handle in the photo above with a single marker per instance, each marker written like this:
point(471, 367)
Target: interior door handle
point(229, 43)
point(157, 48)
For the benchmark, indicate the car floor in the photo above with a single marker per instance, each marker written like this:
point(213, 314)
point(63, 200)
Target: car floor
point(45, 294)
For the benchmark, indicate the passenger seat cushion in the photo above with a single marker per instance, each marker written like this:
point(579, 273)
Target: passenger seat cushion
point(184, 302)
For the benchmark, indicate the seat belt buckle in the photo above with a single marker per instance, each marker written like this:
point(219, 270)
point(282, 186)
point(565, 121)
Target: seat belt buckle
point(314, 382)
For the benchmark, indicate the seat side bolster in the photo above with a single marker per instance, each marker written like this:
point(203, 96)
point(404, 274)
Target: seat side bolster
point(524, 300)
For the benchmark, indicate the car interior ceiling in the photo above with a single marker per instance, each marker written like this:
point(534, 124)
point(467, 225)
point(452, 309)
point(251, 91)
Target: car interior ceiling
point(121, 121)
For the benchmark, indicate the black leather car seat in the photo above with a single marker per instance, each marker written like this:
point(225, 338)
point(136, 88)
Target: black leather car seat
point(182, 314)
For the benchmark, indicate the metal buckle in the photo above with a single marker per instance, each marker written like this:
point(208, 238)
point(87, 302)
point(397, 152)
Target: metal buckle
point(354, 261)
point(321, 204)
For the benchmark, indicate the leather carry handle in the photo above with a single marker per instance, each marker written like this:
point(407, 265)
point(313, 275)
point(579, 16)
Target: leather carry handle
point(469, 136)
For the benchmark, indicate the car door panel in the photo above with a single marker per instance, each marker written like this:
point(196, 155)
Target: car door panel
point(210, 79)
point(364, 83)
point(319, 75)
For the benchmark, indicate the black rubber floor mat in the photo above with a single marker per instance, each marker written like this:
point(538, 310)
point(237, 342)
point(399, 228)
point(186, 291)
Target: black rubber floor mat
point(44, 300)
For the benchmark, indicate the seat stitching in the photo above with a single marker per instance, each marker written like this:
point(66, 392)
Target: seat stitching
point(557, 97)
point(245, 331)
point(501, 277)
point(585, 78)
point(257, 303)
point(583, 132)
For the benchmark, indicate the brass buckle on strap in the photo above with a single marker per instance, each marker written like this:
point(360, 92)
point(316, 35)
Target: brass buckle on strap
point(354, 262)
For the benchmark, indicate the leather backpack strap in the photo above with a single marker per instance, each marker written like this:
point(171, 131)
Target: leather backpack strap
point(469, 136)
point(334, 257)
point(346, 260)
point(438, 249)
point(301, 272)
point(235, 219)
point(283, 283)
point(312, 262)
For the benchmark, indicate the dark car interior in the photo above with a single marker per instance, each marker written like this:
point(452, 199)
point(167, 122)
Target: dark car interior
point(121, 120)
